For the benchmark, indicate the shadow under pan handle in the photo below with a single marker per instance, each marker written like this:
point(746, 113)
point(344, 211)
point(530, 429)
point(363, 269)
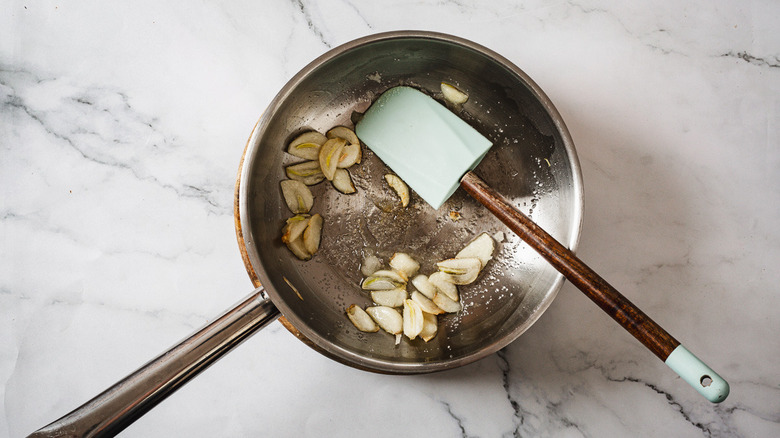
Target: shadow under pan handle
point(120, 405)
point(648, 332)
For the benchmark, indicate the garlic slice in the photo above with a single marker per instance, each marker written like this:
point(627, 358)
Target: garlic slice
point(342, 181)
point(371, 264)
point(481, 247)
point(453, 95)
point(444, 284)
point(445, 303)
point(299, 249)
point(351, 154)
point(430, 327)
point(462, 271)
point(413, 319)
point(388, 319)
point(307, 145)
point(390, 298)
point(313, 233)
point(400, 187)
point(404, 263)
point(393, 275)
point(426, 304)
point(308, 172)
point(330, 152)
point(295, 227)
point(361, 319)
point(423, 284)
point(297, 196)
point(383, 280)
point(345, 133)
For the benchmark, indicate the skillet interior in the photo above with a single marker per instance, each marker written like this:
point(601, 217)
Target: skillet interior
point(532, 163)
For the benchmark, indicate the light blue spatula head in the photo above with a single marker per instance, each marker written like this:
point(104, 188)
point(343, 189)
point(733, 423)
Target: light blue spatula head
point(422, 141)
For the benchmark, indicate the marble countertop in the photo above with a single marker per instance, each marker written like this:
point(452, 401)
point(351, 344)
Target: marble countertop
point(121, 130)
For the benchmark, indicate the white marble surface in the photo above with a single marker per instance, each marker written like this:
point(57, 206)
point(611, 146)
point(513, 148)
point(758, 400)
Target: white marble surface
point(121, 128)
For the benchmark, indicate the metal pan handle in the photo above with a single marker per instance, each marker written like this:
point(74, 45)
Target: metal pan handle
point(120, 405)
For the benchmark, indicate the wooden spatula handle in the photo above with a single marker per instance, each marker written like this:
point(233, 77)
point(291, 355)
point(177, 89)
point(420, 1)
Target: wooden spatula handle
point(647, 331)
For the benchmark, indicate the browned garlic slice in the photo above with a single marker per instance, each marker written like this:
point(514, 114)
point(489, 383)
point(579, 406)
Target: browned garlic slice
point(295, 227)
point(308, 172)
point(430, 327)
point(330, 152)
point(481, 247)
point(390, 298)
point(361, 319)
point(444, 284)
point(461, 271)
point(313, 233)
point(297, 196)
point(307, 145)
point(453, 95)
point(426, 304)
point(342, 181)
point(413, 319)
point(404, 263)
point(400, 187)
point(445, 303)
point(423, 284)
point(388, 319)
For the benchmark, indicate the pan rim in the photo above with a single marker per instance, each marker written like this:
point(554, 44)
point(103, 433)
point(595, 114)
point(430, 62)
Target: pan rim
point(311, 337)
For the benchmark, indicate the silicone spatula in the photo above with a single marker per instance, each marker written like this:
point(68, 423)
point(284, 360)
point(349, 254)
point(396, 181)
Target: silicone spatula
point(434, 152)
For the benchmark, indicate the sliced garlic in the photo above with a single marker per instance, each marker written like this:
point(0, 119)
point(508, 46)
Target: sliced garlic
point(388, 319)
point(445, 303)
point(430, 327)
point(444, 283)
point(299, 249)
point(313, 233)
point(330, 152)
point(390, 298)
point(426, 304)
point(423, 284)
point(295, 227)
point(308, 172)
point(462, 271)
point(342, 181)
point(453, 95)
point(351, 154)
point(361, 319)
point(371, 264)
point(404, 263)
point(345, 133)
point(384, 280)
point(307, 145)
point(297, 196)
point(393, 275)
point(378, 282)
point(481, 247)
point(413, 319)
point(400, 187)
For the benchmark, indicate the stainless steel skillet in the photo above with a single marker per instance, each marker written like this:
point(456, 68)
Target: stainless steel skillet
point(533, 164)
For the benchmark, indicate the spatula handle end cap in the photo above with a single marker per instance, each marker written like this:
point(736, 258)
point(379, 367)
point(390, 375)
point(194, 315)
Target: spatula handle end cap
point(701, 377)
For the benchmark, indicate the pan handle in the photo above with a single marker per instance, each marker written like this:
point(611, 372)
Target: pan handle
point(648, 332)
point(120, 405)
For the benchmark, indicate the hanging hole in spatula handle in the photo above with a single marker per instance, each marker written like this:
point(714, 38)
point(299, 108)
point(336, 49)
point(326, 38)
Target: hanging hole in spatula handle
point(630, 317)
